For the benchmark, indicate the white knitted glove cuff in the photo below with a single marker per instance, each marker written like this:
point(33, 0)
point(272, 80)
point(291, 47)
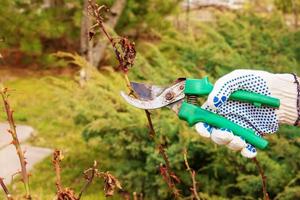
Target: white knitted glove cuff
point(283, 86)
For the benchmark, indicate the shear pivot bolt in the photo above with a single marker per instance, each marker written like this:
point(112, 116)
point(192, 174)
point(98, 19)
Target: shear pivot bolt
point(169, 96)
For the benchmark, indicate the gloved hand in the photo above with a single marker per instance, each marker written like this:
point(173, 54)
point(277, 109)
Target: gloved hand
point(263, 120)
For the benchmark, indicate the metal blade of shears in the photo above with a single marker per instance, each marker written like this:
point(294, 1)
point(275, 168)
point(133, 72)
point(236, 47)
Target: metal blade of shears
point(146, 91)
point(153, 97)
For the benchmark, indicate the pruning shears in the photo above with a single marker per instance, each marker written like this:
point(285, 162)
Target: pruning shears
point(181, 97)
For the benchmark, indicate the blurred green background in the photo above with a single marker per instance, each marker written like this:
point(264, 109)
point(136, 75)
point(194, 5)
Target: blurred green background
point(173, 39)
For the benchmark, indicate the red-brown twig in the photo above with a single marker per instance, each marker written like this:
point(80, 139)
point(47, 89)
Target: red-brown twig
point(263, 179)
point(5, 189)
point(193, 176)
point(89, 176)
point(168, 175)
point(15, 141)
point(150, 124)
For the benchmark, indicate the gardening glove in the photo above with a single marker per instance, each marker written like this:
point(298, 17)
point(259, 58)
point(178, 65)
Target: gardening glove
point(263, 120)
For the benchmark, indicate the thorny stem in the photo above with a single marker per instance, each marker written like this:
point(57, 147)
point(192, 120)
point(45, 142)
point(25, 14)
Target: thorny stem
point(263, 179)
point(15, 141)
point(193, 174)
point(13, 175)
point(164, 155)
point(5, 189)
point(168, 174)
point(89, 179)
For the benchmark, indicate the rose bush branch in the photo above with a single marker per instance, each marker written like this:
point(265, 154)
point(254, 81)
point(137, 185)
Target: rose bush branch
point(124, 50)
point(125, 54)
point(111, 183)
point(168, 175)
point(15, 141)
point(62, 193)
point(5, 189)
point(193, 176)
point(89, 176)
point(263, 179)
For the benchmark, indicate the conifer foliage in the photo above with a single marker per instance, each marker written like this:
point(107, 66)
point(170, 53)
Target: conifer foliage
point(164, 52)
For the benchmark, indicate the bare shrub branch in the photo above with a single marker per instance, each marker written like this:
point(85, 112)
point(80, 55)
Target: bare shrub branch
point(125, 54)
point(263, 179)
point(111, 183)
point(193, 176)
point(5, 189)
point(89, 176)
point(62, 193)
point(15, 141)
point(168, 175)
point(123, 48)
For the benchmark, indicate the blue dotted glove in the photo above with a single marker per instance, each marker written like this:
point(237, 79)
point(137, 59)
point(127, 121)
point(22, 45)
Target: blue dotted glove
point(263, 120)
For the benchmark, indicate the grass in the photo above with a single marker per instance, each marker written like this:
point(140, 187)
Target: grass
point(46, 104)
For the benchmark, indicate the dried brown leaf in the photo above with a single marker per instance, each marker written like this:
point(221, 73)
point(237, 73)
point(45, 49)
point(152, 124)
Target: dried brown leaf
point(110, 184)
point(125, 53)
point(66, 194)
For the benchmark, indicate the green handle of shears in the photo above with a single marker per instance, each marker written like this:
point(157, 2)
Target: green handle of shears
point(202, 87)
point(194, 114)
